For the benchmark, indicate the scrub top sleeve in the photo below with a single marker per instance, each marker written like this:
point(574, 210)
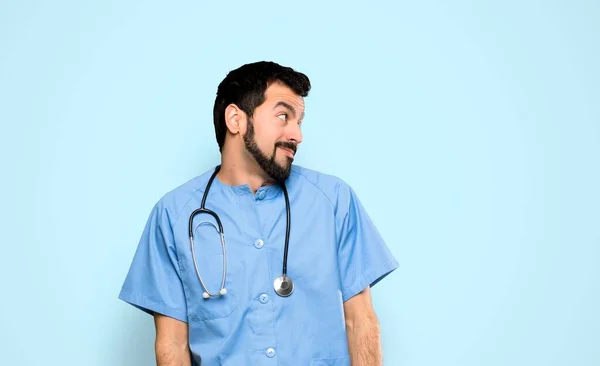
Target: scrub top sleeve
point(153, 283)
point(363, 257)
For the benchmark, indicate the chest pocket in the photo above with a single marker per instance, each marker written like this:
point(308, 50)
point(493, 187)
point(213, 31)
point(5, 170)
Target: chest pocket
point(210, 267)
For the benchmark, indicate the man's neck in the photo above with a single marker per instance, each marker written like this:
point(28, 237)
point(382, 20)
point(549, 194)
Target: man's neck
point(235, 170)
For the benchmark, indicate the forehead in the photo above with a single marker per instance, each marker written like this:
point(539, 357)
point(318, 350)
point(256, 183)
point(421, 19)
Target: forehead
point(279, 92)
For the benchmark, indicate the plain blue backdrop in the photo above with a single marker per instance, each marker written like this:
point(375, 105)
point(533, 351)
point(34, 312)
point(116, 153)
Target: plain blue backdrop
point(469, 129)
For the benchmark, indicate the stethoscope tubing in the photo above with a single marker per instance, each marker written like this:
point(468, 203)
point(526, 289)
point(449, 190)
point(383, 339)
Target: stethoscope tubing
point(219, 228)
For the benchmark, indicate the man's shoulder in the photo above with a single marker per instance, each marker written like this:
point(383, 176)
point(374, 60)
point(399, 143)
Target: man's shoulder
point(174, 200)
point(315, 177)
point(330, 185)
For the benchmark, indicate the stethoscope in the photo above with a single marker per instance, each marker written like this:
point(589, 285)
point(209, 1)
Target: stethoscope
point(283, 285)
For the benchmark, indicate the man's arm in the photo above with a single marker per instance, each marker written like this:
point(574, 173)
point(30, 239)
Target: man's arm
point(171, 344)
point(362, 326)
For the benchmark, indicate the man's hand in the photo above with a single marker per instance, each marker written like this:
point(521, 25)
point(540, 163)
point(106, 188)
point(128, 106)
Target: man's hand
point(362, 326)
point(171, 344)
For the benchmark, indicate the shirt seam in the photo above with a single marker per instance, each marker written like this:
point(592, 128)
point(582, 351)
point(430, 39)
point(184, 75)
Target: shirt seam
point(318, 188)
point(185, 205)
point(358, 280)
point(146, 302)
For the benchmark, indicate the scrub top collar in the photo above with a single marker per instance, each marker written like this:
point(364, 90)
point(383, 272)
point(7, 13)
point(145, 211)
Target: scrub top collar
point(263, 193)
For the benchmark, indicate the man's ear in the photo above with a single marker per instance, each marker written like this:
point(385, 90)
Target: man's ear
point(235, 119)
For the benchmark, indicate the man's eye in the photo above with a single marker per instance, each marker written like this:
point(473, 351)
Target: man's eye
point(283, 116)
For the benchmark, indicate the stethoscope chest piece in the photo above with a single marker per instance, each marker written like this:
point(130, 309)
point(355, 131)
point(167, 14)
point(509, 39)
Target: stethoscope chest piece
point(283, 285)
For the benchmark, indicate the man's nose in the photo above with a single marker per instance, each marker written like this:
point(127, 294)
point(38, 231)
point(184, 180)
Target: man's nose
point(295, 134)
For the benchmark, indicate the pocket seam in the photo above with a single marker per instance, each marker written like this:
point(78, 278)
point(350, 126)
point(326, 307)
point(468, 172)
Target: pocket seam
point(232, 305)
point(329, 360)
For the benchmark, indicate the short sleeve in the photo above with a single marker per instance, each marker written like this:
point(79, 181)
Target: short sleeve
point(153, 283)
point(364, 259)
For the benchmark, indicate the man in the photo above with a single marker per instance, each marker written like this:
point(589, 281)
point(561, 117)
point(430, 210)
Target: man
point(318, 312)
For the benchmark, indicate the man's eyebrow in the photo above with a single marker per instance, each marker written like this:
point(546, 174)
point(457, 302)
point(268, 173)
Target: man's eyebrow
point(288, 107)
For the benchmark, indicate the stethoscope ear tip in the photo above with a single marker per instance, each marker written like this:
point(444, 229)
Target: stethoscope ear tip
point(206, 295)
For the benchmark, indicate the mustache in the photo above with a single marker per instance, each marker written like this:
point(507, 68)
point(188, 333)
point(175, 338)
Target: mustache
point(287, 145)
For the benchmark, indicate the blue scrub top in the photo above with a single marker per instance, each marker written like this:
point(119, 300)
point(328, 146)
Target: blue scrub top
point(335, 251)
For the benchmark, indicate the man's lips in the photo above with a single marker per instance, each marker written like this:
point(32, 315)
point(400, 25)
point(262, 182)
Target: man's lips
point(288, 152)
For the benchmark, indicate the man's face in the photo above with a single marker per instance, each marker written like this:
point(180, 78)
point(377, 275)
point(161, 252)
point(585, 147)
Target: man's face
point(273, 134)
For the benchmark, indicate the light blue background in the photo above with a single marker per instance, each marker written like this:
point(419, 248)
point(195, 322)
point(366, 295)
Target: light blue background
point(470, 130)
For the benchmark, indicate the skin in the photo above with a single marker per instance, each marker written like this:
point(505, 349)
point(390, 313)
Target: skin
point(171, 343)
point(363, 331)
point(277, 120)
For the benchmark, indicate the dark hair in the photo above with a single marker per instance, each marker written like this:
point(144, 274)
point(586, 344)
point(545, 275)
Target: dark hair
point(246, 86)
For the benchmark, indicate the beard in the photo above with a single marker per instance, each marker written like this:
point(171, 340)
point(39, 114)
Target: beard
point(276, 171)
